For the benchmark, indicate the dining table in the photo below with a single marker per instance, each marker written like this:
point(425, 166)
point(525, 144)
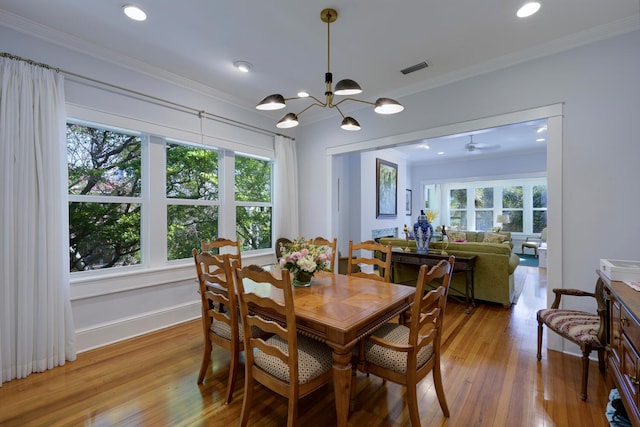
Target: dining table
point(340, 310)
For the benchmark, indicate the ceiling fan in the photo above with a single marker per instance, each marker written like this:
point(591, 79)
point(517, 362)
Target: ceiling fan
point(473, 146)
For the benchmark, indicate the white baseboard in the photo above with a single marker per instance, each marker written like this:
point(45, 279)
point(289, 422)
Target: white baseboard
point(122, 329)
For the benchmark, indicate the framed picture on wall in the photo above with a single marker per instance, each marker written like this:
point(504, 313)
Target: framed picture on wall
point(386, 189)
point(408, 202)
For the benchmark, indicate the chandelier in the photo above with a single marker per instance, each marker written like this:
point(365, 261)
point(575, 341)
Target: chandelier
point(343, 87)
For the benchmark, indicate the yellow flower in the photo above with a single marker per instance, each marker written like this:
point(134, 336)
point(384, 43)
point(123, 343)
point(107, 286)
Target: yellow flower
point(431, 215)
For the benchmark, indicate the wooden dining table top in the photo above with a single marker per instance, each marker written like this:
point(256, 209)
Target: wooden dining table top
point(340, 309)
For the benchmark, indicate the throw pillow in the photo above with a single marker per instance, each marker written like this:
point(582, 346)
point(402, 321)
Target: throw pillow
point(457, 236)
point(495, 238)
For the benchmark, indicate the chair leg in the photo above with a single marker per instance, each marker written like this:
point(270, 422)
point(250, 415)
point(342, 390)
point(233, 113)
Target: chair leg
point(233, 373)
point(585, 373)
point(412, 403)
point(206, 360)
point(246, 400)
point(539, 341)
point(601, 360)
point(437, 379)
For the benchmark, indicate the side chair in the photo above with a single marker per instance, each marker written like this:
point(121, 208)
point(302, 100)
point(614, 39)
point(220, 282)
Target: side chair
point(383, 263)
point(405, 353)
point(216, 245)
point(587, 330)
point(280, 243)
point(219, 323)
point(285, 362)
point(331, 244)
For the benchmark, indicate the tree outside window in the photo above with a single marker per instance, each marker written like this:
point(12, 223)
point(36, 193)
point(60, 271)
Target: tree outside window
point(253, 188)
point(484, 208)
point(105, 187)
point(539, 208)
point(192, 191)
point(513, 205)
point(458, 208)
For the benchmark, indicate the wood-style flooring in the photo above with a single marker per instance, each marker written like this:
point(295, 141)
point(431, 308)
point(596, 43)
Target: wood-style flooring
point(491, 378)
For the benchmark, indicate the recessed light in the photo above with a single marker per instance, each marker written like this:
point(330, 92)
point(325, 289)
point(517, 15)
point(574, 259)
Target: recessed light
point(541, 129)
point(134, 12)
point(440, 153)
point(540, 140)
point(243, 66)
point(426, 146)
point(528, 9)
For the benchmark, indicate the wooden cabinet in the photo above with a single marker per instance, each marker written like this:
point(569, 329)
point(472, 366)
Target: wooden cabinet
point(624, 344)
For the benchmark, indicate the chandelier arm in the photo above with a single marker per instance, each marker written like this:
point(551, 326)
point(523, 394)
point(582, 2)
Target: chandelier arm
point(350, 99)
point(312, 105)
point(339, 110)
point(318, 102)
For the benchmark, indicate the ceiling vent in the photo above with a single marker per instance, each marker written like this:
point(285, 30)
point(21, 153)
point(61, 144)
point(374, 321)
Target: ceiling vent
point(413, 68)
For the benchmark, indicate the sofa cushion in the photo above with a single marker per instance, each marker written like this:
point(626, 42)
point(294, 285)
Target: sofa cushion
point(494, 238)
point(458, 236)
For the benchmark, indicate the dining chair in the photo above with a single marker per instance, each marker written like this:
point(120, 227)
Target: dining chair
point(383, 263)
point(405, 353)
point(282, 360)
point(215, 246)
point(587, 330)
point(219, 323)
point(280, 244)
point(331, 244)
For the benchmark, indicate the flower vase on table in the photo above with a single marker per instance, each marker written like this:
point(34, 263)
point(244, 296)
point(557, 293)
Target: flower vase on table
point(422, 231)
point(301, 279)
point(303, 259)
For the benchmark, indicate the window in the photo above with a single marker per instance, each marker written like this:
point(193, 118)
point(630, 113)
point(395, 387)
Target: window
point(105, 197)
point(476, 205)
point(539, 208)
point(513, 206)
point(484, 208)
point(192, 198)
point(143, 201)
point(458, 208)
point(253, 189)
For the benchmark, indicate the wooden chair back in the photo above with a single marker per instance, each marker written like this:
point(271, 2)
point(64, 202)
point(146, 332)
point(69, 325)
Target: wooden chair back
point(215, 246)
point(331, 244)
point(383, 264)
point(270, 309)
point(418, 353)
point(427, 312)
point(219, 312)
point(280, 244)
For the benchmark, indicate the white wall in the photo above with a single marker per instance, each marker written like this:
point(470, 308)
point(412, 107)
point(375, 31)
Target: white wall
point(599, 87)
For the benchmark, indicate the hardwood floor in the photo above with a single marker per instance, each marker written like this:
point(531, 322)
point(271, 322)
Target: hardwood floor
point(490, 371)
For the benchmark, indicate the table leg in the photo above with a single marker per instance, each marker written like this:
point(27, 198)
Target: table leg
point(342, 384)
point(469, 289)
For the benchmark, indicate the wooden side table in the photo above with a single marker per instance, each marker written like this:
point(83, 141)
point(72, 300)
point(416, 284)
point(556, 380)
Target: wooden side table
point(465, 264)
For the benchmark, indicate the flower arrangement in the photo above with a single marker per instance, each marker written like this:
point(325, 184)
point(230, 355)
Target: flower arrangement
point(302, 258)
point(431, 215)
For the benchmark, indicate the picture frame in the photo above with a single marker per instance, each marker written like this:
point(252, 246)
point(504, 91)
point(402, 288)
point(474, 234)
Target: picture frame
point(386, 189)
point(408, 202)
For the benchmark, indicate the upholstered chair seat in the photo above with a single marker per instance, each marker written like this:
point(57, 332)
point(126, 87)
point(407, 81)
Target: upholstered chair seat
point(314, 359)
point(392, 359)
point(577, 326)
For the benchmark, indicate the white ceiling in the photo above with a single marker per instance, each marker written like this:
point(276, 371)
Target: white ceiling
point(196, 41)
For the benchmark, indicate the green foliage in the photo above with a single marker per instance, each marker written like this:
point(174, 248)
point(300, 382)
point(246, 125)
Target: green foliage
point(252, 179)
point(192, 173)
point(103, 163)
point(186, 226)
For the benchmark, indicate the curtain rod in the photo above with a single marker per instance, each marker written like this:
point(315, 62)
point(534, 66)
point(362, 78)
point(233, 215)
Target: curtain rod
point(198, 112)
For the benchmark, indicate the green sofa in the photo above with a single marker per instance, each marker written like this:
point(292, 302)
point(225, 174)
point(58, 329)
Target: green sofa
point(493, 273)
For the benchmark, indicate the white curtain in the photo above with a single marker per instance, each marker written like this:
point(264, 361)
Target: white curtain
point(36, 326)
point(286, 188)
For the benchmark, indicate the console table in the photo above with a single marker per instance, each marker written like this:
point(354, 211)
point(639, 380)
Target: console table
point(464, 264)
point(624, 344)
